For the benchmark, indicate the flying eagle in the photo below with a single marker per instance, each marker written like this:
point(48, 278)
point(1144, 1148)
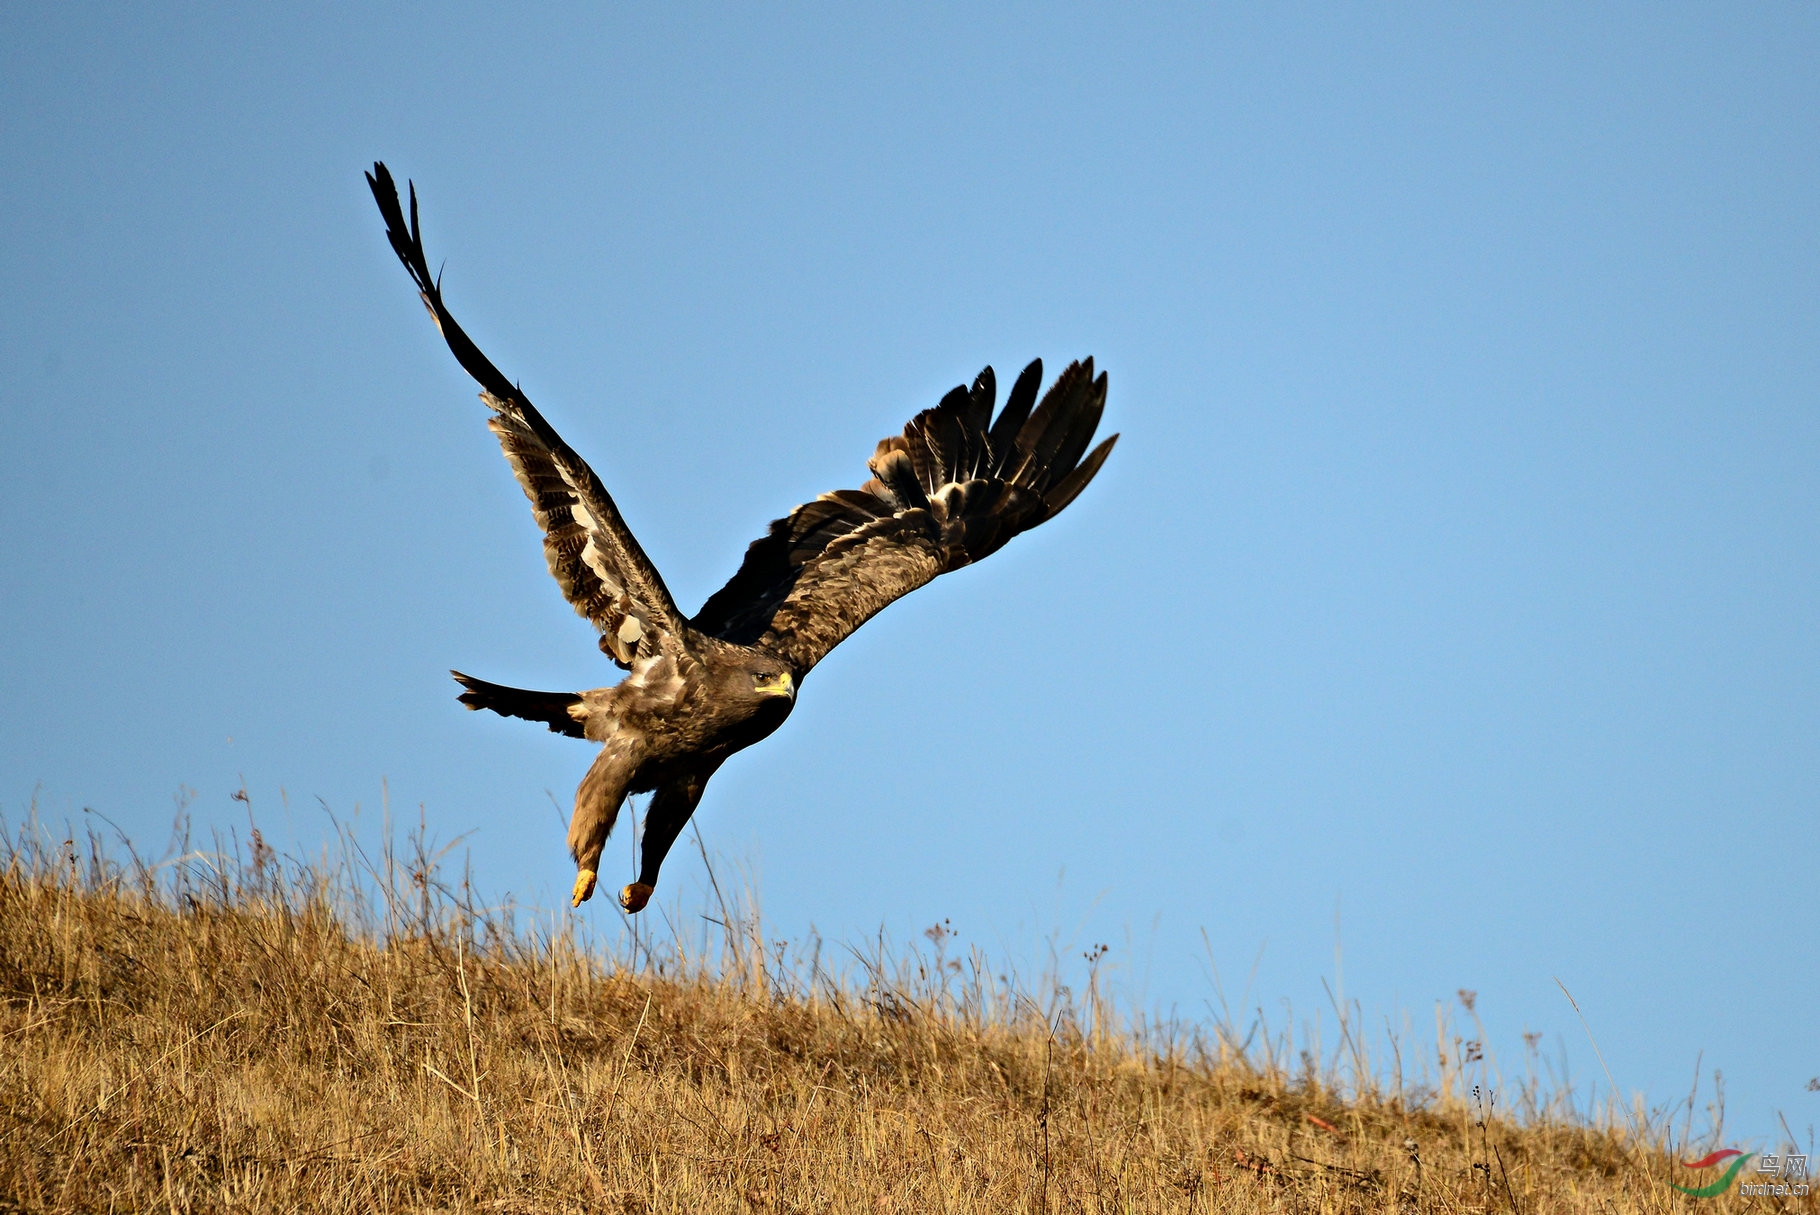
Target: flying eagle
point(954, 487)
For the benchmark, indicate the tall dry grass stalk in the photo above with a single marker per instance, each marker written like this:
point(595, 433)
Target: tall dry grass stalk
point(228, 1031)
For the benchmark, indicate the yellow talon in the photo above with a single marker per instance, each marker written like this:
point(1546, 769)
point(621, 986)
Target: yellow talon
point(635, 896)
point(584, 887)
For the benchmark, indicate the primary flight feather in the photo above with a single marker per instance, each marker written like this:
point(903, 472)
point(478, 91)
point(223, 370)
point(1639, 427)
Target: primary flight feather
point(954, 487)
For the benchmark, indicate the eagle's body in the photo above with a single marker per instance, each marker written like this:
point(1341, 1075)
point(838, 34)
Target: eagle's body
point(953, 488)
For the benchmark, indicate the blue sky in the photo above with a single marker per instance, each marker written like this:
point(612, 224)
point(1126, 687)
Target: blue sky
point(1455, 578)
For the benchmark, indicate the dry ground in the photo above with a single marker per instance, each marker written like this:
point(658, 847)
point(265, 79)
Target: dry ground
point(203, 1037)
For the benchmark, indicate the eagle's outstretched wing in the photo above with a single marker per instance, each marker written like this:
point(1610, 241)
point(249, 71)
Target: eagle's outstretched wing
point(955, 487)
point(592, 553)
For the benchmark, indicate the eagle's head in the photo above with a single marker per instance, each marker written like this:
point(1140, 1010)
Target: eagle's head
point(760, 691)
point(746, 681)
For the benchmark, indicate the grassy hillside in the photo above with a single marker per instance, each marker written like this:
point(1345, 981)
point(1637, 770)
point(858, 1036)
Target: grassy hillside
point(244, 1035)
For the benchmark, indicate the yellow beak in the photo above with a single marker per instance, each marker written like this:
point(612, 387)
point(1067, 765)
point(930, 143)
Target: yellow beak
point(783, 685)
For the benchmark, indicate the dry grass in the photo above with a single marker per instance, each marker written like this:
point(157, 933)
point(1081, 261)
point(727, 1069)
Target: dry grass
point(251, 1035)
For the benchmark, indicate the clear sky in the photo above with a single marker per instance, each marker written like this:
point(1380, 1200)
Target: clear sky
point(1455, 576)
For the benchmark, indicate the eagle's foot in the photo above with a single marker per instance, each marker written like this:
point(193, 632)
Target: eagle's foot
point(584, 887)
point(635, 896)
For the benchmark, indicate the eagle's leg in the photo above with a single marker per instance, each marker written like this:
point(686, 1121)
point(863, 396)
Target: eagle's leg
point(597, 802)
point(670, 808)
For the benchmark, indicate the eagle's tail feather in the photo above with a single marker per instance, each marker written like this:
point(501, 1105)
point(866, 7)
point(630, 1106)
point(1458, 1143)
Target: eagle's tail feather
point(551, 708)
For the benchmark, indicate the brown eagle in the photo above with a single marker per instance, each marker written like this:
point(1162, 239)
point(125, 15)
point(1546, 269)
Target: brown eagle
point(954, 487)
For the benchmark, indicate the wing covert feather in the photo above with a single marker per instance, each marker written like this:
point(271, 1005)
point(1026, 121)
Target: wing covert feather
point(951, 490)
point(595, 559)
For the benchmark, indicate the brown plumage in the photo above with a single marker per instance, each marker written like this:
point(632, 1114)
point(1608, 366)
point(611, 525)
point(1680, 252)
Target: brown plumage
point(953, 488)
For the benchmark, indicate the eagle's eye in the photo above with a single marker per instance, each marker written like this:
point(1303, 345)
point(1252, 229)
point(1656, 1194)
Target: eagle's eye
point(772, 683)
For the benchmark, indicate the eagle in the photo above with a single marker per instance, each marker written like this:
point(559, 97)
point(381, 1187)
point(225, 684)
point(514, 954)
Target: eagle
point(951, 489)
